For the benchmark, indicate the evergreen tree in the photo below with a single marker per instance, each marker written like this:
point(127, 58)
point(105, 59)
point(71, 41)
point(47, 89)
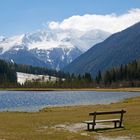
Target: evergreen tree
point(98, 77)
point(7, 74)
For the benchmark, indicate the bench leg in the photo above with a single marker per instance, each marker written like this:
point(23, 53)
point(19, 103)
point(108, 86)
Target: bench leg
point(88, 126)
point(93, 127)
point(120, 125)
point(115, 124)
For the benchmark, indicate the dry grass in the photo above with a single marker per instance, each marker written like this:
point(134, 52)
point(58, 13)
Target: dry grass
point(40, 125)
point(73, 89)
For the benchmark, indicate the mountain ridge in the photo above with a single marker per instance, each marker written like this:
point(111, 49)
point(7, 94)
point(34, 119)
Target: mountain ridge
point(54, 49)
point(119, 48)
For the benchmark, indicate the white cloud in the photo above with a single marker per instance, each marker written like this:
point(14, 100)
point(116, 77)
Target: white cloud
point(111, 23)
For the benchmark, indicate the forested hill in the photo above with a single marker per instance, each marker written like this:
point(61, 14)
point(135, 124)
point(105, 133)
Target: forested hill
point(37, 70)
point(8, 71)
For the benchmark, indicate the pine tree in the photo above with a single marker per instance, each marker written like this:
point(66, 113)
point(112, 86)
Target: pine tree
point(98, 78)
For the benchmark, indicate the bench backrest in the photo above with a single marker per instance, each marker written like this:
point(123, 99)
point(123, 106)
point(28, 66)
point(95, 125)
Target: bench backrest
point(106, 113)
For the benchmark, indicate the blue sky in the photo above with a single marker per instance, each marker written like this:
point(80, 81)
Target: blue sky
point(20, 16)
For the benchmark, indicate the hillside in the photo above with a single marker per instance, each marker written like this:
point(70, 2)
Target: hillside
point(120, 48)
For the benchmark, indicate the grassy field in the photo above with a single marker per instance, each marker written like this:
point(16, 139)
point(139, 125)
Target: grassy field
point(73, 89)
point(42, 125)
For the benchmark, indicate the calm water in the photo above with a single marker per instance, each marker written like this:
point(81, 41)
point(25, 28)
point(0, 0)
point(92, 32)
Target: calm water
point(34, 101)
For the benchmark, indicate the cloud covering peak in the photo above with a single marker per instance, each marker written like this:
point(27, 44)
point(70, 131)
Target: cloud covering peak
point(111, 22)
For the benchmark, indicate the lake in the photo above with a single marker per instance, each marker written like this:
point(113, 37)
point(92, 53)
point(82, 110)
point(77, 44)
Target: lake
point(36, 100)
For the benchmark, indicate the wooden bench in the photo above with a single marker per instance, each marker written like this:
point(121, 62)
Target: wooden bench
point(115, 121)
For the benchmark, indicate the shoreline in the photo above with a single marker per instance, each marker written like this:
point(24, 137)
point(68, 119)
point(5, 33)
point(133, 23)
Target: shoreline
point(130, 89)
point(61, 120)
point(88, 105)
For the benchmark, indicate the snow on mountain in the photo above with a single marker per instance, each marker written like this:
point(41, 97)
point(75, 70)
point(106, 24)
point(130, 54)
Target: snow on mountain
point(51, 48)
point(8, 43)
point(88, 39)
point(2, 38)
point(47, 40)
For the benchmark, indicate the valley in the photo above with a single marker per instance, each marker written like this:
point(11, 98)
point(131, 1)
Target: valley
point(68, 65)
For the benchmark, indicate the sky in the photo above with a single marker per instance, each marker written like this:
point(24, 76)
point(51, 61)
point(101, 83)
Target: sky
point(22, 16)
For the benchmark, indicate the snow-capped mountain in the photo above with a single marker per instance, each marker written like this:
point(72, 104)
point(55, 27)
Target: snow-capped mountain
point(2, 38)
point(51, 48)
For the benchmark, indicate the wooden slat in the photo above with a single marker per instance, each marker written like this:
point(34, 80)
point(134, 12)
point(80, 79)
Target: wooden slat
point(88, 122)
point(100, 121)
point(109, 112)
point(109, 120)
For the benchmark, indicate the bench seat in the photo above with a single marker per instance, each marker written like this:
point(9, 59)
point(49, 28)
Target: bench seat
point(115, 121)
point(100, 121)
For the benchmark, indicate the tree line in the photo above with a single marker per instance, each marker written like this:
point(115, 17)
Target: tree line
point(37, 70)
point(127, 75)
